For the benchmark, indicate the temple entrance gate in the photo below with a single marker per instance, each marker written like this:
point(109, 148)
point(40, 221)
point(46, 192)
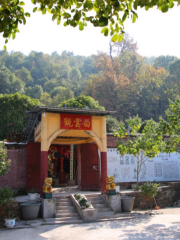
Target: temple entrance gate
point(61, 126)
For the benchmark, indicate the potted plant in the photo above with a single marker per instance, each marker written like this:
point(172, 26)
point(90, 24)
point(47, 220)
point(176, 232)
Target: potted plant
point(149, 191)
point(10, 220)
point(32, 194)
point(117, 187)
point(6, 198)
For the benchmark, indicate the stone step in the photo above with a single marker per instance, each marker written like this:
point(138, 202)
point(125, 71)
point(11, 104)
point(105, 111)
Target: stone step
point(66, 211)
point(103, 205)
point(103, 209)
point(96, 202)
point(62, 197)
point(70, 221)
point(93, 197)
point(114, 219)
point(66, 215)
point(62, 218)
point(64, 204)
point(63, 200)
point(115, 215)
point(65, 207)
point(106, 213)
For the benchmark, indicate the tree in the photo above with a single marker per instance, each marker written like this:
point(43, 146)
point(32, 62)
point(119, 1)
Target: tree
point(82, 102)
point(111, 124)
point(60, 94)
point(25, 76)
point(142, 146)
point(50, 85)
point(163, 61)
point(46, 99)
point(9, 82)
point(108, 15)
point(171, 126)
point(172, 81)
point(127, 44)
point(13, 116)
point(4, 162)
point(34, 92)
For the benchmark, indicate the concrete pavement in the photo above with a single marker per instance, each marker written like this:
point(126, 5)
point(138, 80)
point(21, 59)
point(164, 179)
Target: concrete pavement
point(165, 225)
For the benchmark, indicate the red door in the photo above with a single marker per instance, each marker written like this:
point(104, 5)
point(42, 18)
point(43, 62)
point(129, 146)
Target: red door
point(33, 166)
point(89, 167)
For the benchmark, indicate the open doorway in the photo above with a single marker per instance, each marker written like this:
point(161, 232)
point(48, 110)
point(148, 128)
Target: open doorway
point(59, 165)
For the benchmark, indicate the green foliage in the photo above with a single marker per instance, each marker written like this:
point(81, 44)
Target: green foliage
point(150, 141)
point(33, 190)
point(82, 102)
point(163, 61)
point(108, 15)
point(123, 83)
point(9, 82)
point(149, 190)
point(83, 202)
point(111, 124)
point(149, 60)
point(13, 118)
point(62, 94)
point(4, 162)
point(46, 99)
point(34, 92)
point(174, 68)
point(11, 14)
point(6, 195)
point(143, 146)
point(171, 127)
point(6, 198)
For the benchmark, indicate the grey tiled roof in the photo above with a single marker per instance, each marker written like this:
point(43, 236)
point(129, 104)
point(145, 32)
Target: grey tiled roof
point(35, 115)
point(83, 111)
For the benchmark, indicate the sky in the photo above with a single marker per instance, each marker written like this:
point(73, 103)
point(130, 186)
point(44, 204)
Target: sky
point(156, 34)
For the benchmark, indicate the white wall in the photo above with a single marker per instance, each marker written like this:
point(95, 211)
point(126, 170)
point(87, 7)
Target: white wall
point(164, 167)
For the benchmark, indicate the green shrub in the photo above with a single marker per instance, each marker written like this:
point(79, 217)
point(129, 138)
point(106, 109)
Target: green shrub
point(83, 202)
point(149, 191)
point(6, 198)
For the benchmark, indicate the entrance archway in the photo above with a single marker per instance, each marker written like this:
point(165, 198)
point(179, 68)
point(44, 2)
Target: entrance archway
point(70, 126)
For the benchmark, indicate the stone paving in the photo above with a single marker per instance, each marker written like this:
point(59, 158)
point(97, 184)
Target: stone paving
point(164, 225)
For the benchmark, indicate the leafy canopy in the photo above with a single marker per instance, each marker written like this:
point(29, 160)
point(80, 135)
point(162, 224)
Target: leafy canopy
point(109, 15)
point(171, 126)
point(13, 116)
point(4, 162)
point(82, 102)
point(149, 142)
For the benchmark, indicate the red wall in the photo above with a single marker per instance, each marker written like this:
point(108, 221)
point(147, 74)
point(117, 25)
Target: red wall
point(111, 141)
point(16, 177)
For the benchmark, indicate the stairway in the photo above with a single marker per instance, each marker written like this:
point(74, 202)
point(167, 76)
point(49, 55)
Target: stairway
point(105, 213)
point(65, 212)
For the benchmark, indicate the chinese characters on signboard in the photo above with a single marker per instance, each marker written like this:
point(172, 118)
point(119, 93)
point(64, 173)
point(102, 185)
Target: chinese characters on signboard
point(77, 122)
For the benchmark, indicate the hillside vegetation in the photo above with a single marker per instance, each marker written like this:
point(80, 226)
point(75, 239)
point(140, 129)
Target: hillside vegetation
point(122, 81)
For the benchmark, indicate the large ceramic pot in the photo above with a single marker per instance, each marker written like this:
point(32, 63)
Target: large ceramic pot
point(30, 210)
point(127, 203)
point(10, 223)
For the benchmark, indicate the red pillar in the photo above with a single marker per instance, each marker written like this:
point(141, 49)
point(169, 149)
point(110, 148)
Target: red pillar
point(43, 170)
point(103, 171)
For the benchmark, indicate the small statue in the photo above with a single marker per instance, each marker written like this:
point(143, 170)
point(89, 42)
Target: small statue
point(47, 188)
point(110, 185)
